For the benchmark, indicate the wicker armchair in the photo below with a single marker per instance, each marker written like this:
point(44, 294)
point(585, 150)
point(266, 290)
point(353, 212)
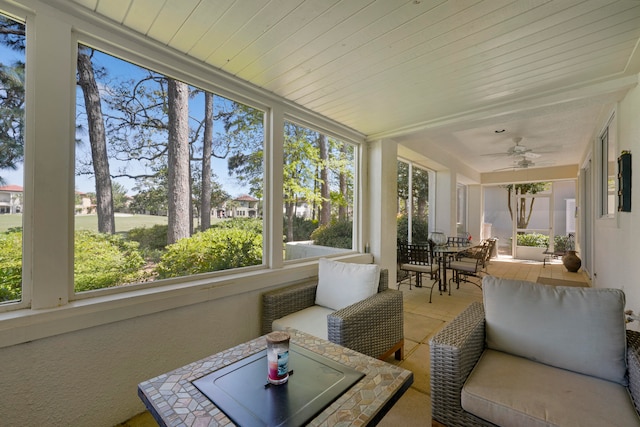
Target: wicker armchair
point(456, 349)
point(373, 326)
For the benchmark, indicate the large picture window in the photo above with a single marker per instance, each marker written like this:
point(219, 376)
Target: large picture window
point(169, 177)
point(318, 193)
point(413, 202)
point(12, 107)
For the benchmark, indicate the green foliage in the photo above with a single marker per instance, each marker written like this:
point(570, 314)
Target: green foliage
point(251, 225)
point(11, 265)
point(152, 238)
point(214, 249)
point(105, 260)
point(302, 228)
point(533, 239)
point(337, 234)
point(419, 229)
point(563, 243)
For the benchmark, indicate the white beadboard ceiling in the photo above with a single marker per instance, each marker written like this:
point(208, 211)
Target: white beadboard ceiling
point(418, 71)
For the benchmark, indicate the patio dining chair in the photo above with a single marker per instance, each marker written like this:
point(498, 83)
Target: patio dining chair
point(471, 263)
point(418, 259)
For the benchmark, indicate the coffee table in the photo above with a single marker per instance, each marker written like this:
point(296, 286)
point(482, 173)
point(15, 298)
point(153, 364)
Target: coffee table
point(174, 400)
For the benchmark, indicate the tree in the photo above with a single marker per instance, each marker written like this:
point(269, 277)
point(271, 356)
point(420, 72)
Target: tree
point(523, 214)
point(98, 141)
point(325, 196)
point(207, 148)
point(343, 185)
point(178, 161)
point(119, 194)
point(12, 35)
point(299, 180)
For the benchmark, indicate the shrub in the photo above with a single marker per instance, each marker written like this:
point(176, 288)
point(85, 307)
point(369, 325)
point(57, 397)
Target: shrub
point(302, 228)
point(105, 260)
point(419, 229)
point(252, 225)
point(337, 234)
point(532, 239)
point(150, 239)
point(11, 265)
point(217, 248)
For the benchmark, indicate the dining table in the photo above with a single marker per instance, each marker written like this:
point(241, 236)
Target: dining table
point(443, 253)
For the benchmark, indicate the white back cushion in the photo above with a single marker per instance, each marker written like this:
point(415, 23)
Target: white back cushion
point(579, 329)
point(341, 284)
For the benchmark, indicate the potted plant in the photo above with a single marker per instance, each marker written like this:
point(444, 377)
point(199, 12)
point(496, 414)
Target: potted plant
point(531, 246)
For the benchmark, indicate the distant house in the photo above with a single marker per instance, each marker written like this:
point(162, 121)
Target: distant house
point(85, 207)
point(244, 206)
point(11, 199)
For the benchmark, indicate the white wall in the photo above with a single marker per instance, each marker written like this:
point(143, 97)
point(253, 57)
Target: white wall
point(617, 241)
point(89, 377)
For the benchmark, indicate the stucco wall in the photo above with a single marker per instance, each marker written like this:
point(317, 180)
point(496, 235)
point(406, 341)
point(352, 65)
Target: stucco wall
point(89, 377)
point(616, 241)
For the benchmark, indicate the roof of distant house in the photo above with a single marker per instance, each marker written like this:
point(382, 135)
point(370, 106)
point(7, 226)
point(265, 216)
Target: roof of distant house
point(246, 198)
point(12, 188)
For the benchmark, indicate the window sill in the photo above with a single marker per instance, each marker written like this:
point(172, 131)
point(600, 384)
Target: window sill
point(24, 325)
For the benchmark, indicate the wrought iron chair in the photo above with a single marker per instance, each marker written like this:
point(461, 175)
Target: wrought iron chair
point(471, 263)
point(418, 259)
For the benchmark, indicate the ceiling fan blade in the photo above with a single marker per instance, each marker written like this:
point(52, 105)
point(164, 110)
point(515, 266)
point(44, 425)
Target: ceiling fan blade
point(496, 154)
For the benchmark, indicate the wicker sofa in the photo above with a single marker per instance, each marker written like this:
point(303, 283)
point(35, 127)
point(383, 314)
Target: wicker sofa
point(373, 326)
point(574, 364)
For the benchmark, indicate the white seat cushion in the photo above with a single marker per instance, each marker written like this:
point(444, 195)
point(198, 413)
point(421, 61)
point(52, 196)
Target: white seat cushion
point(512, 391)
point(580, 329)
point(427, 268)
point(312, 320)
point(341, 284)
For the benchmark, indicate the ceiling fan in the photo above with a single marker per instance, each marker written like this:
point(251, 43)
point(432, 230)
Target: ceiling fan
point(524, 163)
point(518, 150)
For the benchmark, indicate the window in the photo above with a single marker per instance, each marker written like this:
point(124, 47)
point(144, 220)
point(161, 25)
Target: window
point(461, 210)
point(12, 107)
point(169, 177)
point(124, 203)
point(607, 152)
point(413, 212)
point(318, 193)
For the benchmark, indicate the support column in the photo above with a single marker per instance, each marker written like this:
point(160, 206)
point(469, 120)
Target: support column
point(381, 212)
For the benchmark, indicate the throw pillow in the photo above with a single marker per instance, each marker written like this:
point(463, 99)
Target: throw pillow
point(341, 284)
point(579, 329)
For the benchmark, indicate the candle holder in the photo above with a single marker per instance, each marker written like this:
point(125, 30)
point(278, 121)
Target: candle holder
point(278, 357)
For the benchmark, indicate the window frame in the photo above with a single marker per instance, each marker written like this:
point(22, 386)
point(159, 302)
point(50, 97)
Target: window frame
point(48, 294)
point(357, 244)
point(606, 147)
point(170, 281)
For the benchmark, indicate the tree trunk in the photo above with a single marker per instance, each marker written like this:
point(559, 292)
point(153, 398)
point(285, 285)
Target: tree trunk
point(178, 161)
point(343, 208)
point(325, 207)
point(289, 212)
point(205, 197)
point(98, 141)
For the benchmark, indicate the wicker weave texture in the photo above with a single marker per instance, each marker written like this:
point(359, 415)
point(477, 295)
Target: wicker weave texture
point(633, 366)
point(371, 326)
point(454, 352)
point(456, 349)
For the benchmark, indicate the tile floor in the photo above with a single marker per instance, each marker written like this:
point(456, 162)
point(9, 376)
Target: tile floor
point(421, 321)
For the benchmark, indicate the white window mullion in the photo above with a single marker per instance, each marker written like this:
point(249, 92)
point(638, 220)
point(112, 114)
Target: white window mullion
point(50, 170)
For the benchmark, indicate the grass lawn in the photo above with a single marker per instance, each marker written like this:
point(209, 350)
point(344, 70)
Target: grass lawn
point(90, 222)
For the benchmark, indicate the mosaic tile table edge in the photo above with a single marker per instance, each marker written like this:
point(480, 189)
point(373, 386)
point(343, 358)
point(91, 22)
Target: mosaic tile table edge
point(173, 400)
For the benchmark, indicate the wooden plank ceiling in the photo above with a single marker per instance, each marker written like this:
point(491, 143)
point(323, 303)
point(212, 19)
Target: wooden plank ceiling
point(397, 67)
